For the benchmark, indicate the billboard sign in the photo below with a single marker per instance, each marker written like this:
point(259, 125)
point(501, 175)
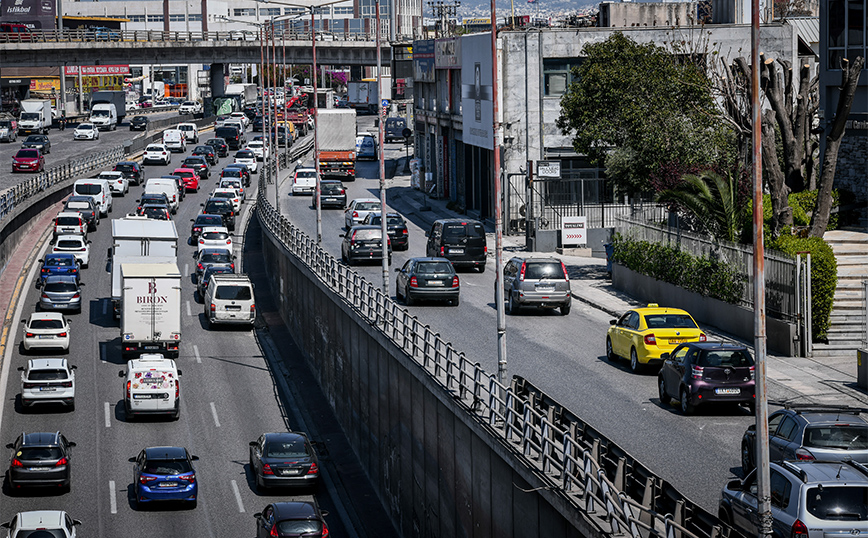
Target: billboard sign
point(477, 106)
point(96, 70)
point(447, 53)
point(423, 60)
point(35, 14)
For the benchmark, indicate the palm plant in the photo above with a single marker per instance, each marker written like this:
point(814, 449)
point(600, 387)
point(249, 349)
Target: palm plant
point(712, 200)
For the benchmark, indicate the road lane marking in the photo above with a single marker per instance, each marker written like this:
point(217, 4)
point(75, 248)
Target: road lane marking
point(214, 414)
point(113, 497)
point(196, 353)
point(237, 496)
point(186, 268)
point(108, 419)
point(189, 312)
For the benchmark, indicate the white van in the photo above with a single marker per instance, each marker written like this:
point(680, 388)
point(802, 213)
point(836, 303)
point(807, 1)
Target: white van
point(104, 116)
point(99, 190)
point(191, 132)
point(167, 186)
point(175, 140)
point(229, 299)
point(151, 386)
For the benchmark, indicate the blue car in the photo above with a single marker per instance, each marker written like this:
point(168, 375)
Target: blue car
point(165, 473)
point(59, 264)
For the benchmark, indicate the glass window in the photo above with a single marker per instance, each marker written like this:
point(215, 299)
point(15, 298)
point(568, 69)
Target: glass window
point(669, 321)
point(839, 503)
point(787, 430)
point(780, 487)
point(557, 75)
point(155, 18)
point(855, 23)
point(167, 467)
point(46, 375)
point(233, 293)
point(837, 437)
point(633, 322)
point(137, 18)
point(195, 17)
point(286, 449)
point(269, 11)
point(177, 18)
point(244, 12)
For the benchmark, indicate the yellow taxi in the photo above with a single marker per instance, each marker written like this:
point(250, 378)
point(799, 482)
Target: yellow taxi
point(643, 334)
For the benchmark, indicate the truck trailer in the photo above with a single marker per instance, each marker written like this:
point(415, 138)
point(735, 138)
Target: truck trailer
point(337, 143)
point(150, 309)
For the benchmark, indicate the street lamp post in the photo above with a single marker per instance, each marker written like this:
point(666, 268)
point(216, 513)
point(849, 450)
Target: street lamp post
point(383, 225)
point(498, 213)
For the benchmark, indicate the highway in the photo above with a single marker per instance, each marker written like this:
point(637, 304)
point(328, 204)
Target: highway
point(235, 386)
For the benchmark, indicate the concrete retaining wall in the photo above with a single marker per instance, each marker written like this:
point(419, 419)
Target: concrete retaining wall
point(735, 320)
point(436, 469)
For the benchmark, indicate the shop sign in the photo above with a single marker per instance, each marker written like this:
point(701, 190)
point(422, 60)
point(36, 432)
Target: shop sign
point(95, 70)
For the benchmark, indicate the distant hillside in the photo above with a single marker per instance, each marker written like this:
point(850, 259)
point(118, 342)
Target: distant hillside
point(545, 8)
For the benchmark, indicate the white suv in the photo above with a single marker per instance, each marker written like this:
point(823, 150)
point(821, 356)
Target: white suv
point(157, 153)
point(190, 107)
point(54, 523)
point(47, 381)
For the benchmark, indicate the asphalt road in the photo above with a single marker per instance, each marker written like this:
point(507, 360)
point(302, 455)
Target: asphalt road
point(229, 396)
point(564, 356)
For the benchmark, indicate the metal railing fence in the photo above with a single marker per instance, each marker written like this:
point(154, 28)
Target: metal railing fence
point(594, 481)
point(120, 36)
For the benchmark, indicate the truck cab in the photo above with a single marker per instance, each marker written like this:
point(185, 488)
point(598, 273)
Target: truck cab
point(104, 116)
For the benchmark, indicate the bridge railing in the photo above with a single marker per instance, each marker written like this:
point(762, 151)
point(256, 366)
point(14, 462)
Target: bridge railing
point(619, 495)
point(118, 36)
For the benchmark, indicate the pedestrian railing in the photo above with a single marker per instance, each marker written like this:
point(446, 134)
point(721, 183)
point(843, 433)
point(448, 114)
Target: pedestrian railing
point(121, 36)
point(571, 455)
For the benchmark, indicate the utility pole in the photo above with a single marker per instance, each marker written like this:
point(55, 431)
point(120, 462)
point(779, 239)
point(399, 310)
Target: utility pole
point(498, 211)
point(444, 12)
point(383, 225)
point(316, 130)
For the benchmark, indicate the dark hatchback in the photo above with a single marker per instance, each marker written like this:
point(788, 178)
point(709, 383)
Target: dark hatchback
point(234, 139)
point(40, 142)
point(219, 145)
point(206, 151)
point(40, 459)
point(131, 170)
point(201, 221)
point(139, 123)
point(460, 241)
point(86, 208)
point(224, 208)
point(291, 519)
point(199, 164)
point(243, 172)
point(61, 263)
point(165, 474)
point(284, 459)
point(333, 193)
point(363, 243)
point(152, 198)
point(208, 257)
point(427, 278)
point(202, 282)
point(702, 373)
point(395, 227)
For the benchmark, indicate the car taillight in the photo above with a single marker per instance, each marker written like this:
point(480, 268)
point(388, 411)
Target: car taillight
point(28, 335)
point(62, 335)
point(30, 385)
point(188, 477)
point(45, 296)
point(128, 389)
point(17, 463)
point(228, 241)
point(413, 282)
point(77, 296)
point(177, 389)
point(799, 530)
point(325, 530)
point(455, 281)
point(803, 454)
point(343, 191)
point(213, 307)
point(66, 384)
point(146, 479)
point(702, 337)
point(566, 275)
point(273, 532)
point(485, 249)
point(252, 309)
point(442, 251)
point(650, 340)
point(753, 373)
point(313, 469)
point(201, 241)
point(199, 265)
point(266, 469)
point(696, 371)
point(61, 461)
point(521, 279)
point(355, 214)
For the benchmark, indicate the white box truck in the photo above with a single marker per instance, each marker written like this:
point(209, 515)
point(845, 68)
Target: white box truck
point(139, 240)
point(35, 116)
point(150, 309)
point(244, 94)
point(363, 95)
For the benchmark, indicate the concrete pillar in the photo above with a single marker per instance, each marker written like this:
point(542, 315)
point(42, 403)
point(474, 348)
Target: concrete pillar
point(218, 87)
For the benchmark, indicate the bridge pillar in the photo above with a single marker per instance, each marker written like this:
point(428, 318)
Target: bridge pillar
point(218, 80)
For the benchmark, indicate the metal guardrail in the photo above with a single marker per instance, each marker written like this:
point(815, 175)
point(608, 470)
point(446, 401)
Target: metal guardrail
point(139, 143)
point(598, 477)
point(116, 36)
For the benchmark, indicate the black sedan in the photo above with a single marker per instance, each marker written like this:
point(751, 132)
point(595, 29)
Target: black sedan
point(131, 170)
point(219, 146)
point(199, 164)
point(40, 142)
point(395, 227)
point(206, 151)
point(40, 459)
point(292, 518)
point(283, 460)
point(427, 278)
point(202, 221)
point(139, 123)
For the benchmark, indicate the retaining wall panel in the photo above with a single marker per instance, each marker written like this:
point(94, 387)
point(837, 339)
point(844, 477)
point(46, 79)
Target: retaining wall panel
point(406, 415)
point(463, 479)
point(481, 470)
point(355, 393)
point(446, 464)
point(418, 459)
point(431, 445)
point(502, 507)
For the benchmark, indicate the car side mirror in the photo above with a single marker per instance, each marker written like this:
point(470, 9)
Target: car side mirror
point(76, 522)
point(38, 283)
point(122, 374)
point(108, 252)
point(426, 234)
point(201, 205)
point(192, 220)
point(397, 269)
point(257, 515)
point(253, 443)
point(71, 444)
point(81, 284)
point(89, 241)
point(324, 513)
point(613, 321)
point(180, 372)
point(20, 368)
point(73, 367)
point(10, 445)
point(194, 458)
point(735, 485)
point(341, 235)
point(23, 321)
point(751, 428)
point(40, 260)
point(664, 356)
point(132, 460)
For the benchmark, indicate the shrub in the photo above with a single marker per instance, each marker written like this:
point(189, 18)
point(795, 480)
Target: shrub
point(699, 274)
point(824, 277)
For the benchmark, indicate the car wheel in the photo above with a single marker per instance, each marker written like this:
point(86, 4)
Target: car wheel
point(512, 307)
point(661, 390)
point(481, 268)
point(635, 365)
point(610, 353)
point(408, 299)
point(565, 310)
point(686, 407)
point(454, 302)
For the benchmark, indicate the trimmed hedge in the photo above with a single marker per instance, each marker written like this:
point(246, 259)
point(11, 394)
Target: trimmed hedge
point(699, 274)
point(824, 277)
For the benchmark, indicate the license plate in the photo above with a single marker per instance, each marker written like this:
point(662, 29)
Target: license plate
point(168, 484)
point(233, 307)
point(44, 336)
point(456, 251)
point(330, 200)
point(70, 230)
point(545, 288)
point(145, 396)
point(47, 389)
point(435, 283)
point(151, 347)
point(290, 472)
point(727, 391)
point(675, 341)
point(38, 468)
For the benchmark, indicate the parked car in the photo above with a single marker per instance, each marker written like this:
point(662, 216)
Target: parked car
point(60, 292)
point(396, 227)
point(58, 264)
point(462, 241)
point(48, 381)
point(219, 146)
point(707, 373)
point(86, 207)
point(45, 330)
point(809, 499)
point(37, 141)
point(363, 243)
point(358, 209)
point(283, 459)
point(131, 170)
point(28, 160)
point(40, 459)
point(811, 432)
point(165, 473)
point(201, 221)
point(139, 123)
point(427, 278)
point(157, 153)
point(539, 282)
point(292, 518)
point(76, 245)
point(207, 152)
point(85, 131)
point(54, 523)
point(644, 334)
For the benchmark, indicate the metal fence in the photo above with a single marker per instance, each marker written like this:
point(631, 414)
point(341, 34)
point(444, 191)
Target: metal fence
point(620, 496)
point(110, 36)
point(139, 143)
point(780, 269)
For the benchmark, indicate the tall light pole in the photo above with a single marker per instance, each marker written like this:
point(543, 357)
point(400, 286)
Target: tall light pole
point(383, 225)
point(498, 212)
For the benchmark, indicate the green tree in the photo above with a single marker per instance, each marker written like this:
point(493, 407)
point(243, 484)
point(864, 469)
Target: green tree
point(712, 200)
point(641, 102)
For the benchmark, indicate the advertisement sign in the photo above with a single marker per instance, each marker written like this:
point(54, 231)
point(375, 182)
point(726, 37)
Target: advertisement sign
point(447, 53)
point(423, 60)
point(477, 107)
point(95, 70)
point(44, 84)
point(548, 169)
point(35, 14)
point(574, 231)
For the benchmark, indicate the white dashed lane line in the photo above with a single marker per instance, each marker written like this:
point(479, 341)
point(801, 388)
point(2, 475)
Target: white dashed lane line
point(108, 415)
point(214, 414)
point(237, 496)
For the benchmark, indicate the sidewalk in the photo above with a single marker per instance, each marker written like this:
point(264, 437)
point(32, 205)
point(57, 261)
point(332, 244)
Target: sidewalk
point(828, 380)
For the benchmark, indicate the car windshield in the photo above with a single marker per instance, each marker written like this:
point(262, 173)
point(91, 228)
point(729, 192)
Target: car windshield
point(433, 268)
point(298, 527)
point(391, 220)
point(193, 162)
point(232, 172)
point(233, 293)
point(841, 503)
point(155, 148)
point(230, 184)
point(308, 174)
point(725, 359)
point(468, 229)
point(227, 195)
point(218, 206)
point(125, 167)
point(59, 262)
point(28, 153)
point(366, 234)
point(286, 449)
point(85, 127)
point(155, 213)
point(68, 221)
point(88, 188)
point(244, 155)
point(209, 220)
point(41, 533)
point(203, 149)
point(46, 324)
point(167, 467)
point(47, 375)
point(39, 453)
point(69, 243)
point(669, 321)
point(215, 257)
point(33, 139)
point(77, 205)
point(60, 287)
point(837, 437)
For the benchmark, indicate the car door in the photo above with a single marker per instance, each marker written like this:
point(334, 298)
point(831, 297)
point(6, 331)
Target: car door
point(402, 275)
point(618, 335)
point(256, 460)
point(265, 522)
point(509, 273)
point(433, 239)
point(781, 443)
point(137, 466)
point(673, 369)
point(744, 507)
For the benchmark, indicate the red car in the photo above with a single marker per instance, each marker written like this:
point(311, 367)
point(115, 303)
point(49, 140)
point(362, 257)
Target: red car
point(28, 160)
point(189, 177)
